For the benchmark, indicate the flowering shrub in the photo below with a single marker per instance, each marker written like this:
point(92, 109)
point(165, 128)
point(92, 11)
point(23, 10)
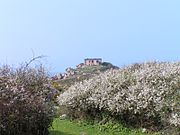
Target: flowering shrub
point(141, 92)
point(25, 101)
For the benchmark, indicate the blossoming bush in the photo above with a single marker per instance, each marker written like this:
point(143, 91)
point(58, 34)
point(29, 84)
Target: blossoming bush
point(25, 101)
point(141, 93)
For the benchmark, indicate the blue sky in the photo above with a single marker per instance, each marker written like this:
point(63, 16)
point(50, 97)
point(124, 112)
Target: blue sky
point(67, 31)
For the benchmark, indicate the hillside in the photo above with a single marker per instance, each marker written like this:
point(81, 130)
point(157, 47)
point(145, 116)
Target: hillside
point(79, 74)
point(142, 95)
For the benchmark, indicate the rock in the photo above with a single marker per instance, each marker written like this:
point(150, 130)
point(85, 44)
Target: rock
point(63, 116)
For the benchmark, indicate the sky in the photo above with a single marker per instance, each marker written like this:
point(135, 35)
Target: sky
point(68, 31)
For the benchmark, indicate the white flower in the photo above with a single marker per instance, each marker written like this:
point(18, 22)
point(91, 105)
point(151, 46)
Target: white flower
point(144, 88)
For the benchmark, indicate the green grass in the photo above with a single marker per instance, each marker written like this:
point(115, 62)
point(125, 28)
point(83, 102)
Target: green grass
point(67, 127)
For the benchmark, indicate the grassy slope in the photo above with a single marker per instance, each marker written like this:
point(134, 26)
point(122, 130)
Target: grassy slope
point(83, 73)
point(66, 127)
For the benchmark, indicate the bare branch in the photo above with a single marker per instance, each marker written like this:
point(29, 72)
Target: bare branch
point(34, 59)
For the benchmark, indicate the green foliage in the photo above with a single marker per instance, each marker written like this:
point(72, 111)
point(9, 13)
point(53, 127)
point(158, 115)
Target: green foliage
point(57, 86)
point(67, 127)
point(83, 73)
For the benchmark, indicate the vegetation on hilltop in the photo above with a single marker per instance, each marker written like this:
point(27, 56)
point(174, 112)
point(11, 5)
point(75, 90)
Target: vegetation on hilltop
point(80, 74)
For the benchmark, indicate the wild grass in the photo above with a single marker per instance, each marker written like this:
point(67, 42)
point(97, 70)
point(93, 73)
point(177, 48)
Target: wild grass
point(67, 127)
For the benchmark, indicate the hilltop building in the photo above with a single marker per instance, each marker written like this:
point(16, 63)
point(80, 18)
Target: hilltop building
point(92, 61)
point(71, 72)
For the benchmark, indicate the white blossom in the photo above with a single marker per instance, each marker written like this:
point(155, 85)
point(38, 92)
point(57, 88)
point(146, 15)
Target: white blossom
point(146, 88)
